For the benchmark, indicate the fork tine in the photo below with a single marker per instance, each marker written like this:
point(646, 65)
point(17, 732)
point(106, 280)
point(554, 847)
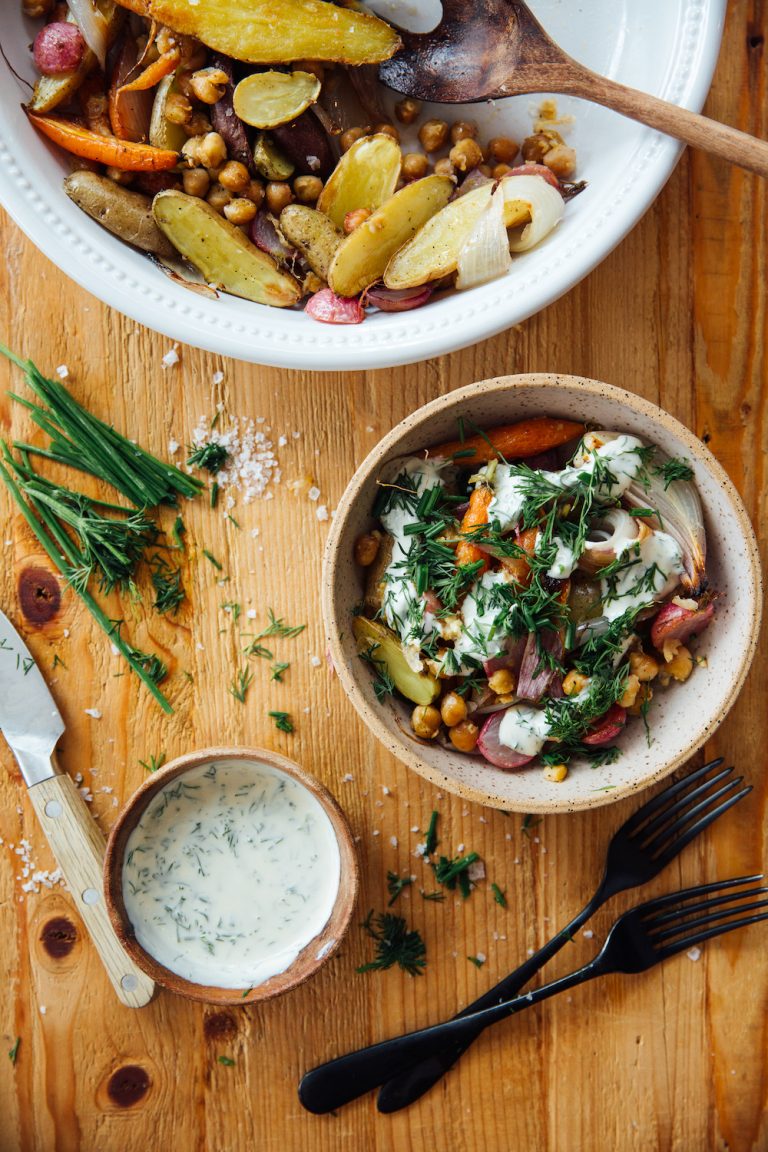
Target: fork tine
point(658, 919)
point(721, 912)
point(708, 818)
point(707, 934)
point(700, 890)
point(666, 834)
point(656, 802)
point(683, 802)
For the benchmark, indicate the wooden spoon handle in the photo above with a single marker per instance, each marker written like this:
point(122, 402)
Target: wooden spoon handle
point(78, 847)
point(699, 131)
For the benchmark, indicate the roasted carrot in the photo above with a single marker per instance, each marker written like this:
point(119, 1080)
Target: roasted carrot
point(151, 76)
point(518, 566)
point(512, 441)
point(124, 154)
point(474, 517)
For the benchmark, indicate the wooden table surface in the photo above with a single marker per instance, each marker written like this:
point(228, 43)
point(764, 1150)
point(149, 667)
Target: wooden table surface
point(675, 1059)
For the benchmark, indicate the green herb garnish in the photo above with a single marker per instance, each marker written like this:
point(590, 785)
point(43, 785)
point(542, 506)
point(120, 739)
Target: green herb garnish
point(241, 683)
point(153, 762)
point(395, 885)
point(13, 1053)
point(431, 842)
point(499, 896)
point(233, 609)
point(455, 873)
point(395, 944)
point(478, 963)
point(383, 684)
point(282, 720)
point(674, 469)
point(214, 498)
point(209, 556)
point(529, 822)
point(166, 582)
point(212, 457)
point(277, 670)
point(438, 897)
point(227, 1061)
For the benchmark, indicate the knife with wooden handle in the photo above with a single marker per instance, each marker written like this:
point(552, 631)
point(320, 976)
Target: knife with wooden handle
point(32, 725)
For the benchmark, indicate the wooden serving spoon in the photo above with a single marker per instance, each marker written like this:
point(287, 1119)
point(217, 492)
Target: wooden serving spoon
point(488, 49)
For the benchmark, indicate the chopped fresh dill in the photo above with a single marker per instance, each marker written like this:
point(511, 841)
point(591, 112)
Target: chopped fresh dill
point(675, 469)
point(455, 873)
point(241, 683)
point(478, 963)
point(211, 456)
point(383, 684)
point(278, 627)
point(166, 582)
point(282, 720)
point(277, 670)
point(232, 608)
point(431, 842)
point(178, 532)
point(499, 896)
point(256, 649)
point(209, 556)
point(232, 520)
point(437, 897)
point(395, 885)
point(395, 944)
point(58, 662)
point(153, 762)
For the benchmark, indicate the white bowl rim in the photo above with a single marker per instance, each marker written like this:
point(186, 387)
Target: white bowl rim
point(421, 416)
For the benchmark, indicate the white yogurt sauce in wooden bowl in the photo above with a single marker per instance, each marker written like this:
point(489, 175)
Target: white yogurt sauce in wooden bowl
point(231, 871)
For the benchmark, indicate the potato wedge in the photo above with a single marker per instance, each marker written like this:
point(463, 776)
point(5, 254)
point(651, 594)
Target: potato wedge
point(315, 236)
point(221, 252)
point(51, 91)
point(365, 177)
point(263, 32)
point(384, 647)
point(162, 133)
point(269, 160)
point(434, 250)
point(126, 214)
point(268, 99)
point(362, 258)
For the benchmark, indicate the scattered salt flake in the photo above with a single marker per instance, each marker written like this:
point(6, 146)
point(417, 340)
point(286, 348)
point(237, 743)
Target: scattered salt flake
point(315, 661)
point(415, 828)
point(66, 633)
point(376, 832)
point(282, 441)
point(173, 447)
point(483, 820)
point(459, 849)
point(43, 1009)
point(420, 850)
point(254, 533)
point(200, 647)
point(171, 357)
point(476, 870)
point(481, 957)
point(536, 840)
point(530, 951)
point(217, 378)
point(295, 435)
point(322, 512)
point(314, 493)
point(93, 712)
point(393, 841)
point(115, 650)
point(9, 543)
point(587, 933)
point(385, 790)
point(78, 777)
point(251, 464)
point(348, 778)
point(62, 371)
point(694, 953)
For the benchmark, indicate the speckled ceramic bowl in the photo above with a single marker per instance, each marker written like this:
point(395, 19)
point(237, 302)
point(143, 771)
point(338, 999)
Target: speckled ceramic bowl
point(683, 717)
point(312, 956)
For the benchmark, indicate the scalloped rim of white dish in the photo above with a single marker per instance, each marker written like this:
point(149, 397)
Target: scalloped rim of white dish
point(30, 191)
point(682, 719)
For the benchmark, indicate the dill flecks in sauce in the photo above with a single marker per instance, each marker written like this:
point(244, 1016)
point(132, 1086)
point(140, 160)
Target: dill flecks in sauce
point(232, 870)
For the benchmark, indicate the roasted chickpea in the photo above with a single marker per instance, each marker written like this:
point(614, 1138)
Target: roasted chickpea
point(631, 689)
point(644, 697)
point(555, 773)
point(388, 130)
point(562, 161)
point(444, 167)
point(178, 109)
point(354, 219)
point(433, 135)
point(198, 125)
point(500, 170)
point(240, 210)
point(278, 196)
point(502, 682)
point(208, 85)
point(196, 182)
point(407, 110)
point(235, 177)
point(415, 165)
point(536, 147)
point(574, 683)
point(255, 192)
point(463, 130)
point(207, 151)
point(350, 137)
point(465, 155)
point(681, 664)
point(453, 709)
point(307, 189)
point(464, 736)
point(643, 666)
point(425, 721)
point(218, 197)
point(503, 149)
point(367, 548)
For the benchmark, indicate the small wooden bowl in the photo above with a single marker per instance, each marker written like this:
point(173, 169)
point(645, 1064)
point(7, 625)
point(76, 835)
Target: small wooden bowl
point(682, 719)
point(312, 956)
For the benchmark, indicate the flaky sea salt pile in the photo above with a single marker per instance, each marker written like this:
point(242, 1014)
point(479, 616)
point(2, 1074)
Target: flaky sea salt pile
point(251, 465)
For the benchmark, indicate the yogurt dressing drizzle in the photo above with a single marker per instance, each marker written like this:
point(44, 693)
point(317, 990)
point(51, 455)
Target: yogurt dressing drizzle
point(232, 870)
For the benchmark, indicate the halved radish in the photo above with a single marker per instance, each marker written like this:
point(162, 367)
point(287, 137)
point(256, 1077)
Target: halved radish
point(607, 727)
point(494, 751)
point(673, 622)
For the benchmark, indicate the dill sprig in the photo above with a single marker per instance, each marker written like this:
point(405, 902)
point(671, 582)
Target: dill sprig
point(278, 627)
point(383, 684)
point(395, 885)
point(674, 469)
point(211, 456)
point(277, 670)
point(395, 944)
point(166, 582)
point(241, 683)
point(152, 763)
point(82, 441)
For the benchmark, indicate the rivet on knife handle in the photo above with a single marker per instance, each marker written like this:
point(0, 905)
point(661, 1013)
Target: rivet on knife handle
point(78, 847)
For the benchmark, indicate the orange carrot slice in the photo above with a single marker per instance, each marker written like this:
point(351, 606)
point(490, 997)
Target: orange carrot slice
point(518, 566)
point(125, 154)
point(474, 517)
point(513, 441)
point(154, 72)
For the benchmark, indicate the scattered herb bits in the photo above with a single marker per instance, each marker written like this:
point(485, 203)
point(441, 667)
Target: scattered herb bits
point(13, 1053)
point(282, 720)
point(395, 885)
point(499, 896)
point(395, 944)
point(152, 763)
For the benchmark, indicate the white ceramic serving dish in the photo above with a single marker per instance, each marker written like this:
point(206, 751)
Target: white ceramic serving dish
point(682, 718)
point(667, 47)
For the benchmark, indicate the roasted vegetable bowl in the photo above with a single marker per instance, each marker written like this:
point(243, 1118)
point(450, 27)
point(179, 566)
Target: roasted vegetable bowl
point(553, 629)
point(127, 132)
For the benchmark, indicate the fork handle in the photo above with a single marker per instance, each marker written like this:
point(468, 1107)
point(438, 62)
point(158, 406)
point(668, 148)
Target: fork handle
point(335, 1083)
point(699, 131)
point(414, 1080)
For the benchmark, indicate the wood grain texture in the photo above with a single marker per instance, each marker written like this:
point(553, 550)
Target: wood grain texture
point(673, 1061)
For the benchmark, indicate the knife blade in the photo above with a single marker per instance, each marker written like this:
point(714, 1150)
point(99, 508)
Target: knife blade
point(32, 726)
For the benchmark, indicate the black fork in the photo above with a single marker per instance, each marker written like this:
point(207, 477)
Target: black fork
point(638, 852)
point(639, 939)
